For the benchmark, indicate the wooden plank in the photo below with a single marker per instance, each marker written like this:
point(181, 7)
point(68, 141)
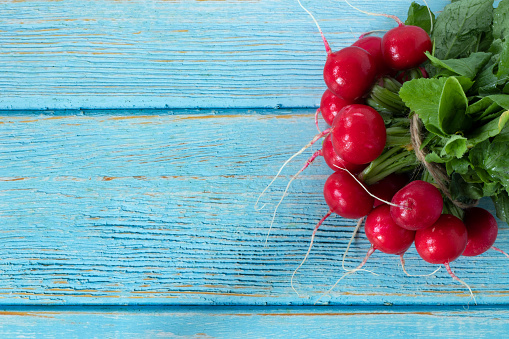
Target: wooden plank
point(249, 322)
point(140, 54)
point(157, 208)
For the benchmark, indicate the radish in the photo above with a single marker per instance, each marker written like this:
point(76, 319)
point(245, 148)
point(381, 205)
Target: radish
point(403, 47)
point(346, 197)
point(373, 45)
point(443, 242)
point(421, 205)
point(358, 134)
point(384, 234)
point(331, 104)
point(350, 72)
point(482, 231)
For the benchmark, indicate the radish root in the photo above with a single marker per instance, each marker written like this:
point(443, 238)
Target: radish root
point(309, 249)
point(311, 143)
point(356, 229)
point(499, 250)
point(327, 47)
point(415, 275)
point(395, 18)
point(460, 281)
point(371, 250)
point(316, 120)
point(308, 162)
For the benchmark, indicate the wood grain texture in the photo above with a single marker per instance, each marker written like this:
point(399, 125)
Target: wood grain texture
point(248, 322)
point(157, 207)
point(181, 53)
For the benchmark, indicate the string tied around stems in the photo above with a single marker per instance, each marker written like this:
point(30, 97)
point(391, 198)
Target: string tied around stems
point(437, 171)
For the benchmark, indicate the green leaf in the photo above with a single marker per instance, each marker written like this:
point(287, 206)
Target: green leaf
point(452, 107)
point(459, 166)
point(468, 67)
point(420, 16)
point(455, 146)
point(503, 63)
point(488, 130)
point(426, 103)
point(478, 107)
point(501, 202)
point(501, 20)
point(460, 26)
point(501, 99)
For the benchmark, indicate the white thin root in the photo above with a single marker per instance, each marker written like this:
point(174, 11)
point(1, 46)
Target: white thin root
point(327, 47)
point(416, 275)
point(308, 162)
point(371, 250)
point(309, 249)
point(355, 231)
point(309, 144)
point(395, 18)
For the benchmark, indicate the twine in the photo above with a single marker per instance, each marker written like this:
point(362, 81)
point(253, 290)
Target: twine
point(437, 171)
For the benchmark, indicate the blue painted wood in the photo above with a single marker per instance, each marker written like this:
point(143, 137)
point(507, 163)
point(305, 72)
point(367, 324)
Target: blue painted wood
point(158, 208)
point(249, 322)
point(185, 54)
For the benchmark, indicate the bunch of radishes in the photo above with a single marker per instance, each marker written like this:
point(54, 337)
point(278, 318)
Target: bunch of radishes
point(397, 211)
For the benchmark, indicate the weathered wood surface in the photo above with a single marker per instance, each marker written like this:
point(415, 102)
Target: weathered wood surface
point(249, 322)
point(178, 53)
point(105, 208)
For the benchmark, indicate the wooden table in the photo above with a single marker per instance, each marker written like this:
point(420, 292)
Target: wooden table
point(135, 138)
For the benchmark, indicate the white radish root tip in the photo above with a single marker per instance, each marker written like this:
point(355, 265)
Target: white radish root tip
point(309, 249)
point(395, 18)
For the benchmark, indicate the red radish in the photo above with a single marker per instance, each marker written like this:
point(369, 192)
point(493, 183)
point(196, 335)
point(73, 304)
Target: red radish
point(350, 72)
point(387, 187)
point(373, 45)
point(331, 104)
point(442, 242)
point(384, 234)
point(420, 205)
point(403, 47)
point(334, 161)
point(358, 134)
point(346, 197)
point(482, 231)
